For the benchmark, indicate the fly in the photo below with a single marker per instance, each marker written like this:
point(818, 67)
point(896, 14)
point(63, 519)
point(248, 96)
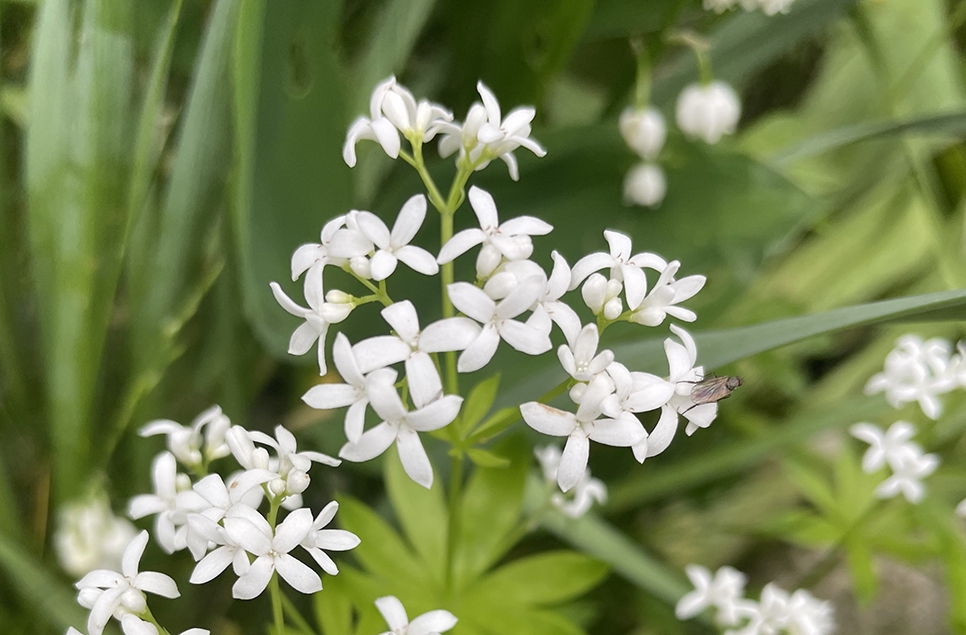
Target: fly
point(713, 389)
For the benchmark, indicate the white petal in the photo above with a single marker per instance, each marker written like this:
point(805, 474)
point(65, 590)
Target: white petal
point(133, 625)
point(573, 461)
point(157, 583)
point(511, 163)
point(413, 457)
point(329, 396)
point(373, 443)
point(359, 130)
point(523, 338)
point(248, 535)
point(450, 334)
point(212, 565)
point(520, 299)
point(337, 540)
point(381, 351)
point(286, 302)
point(382, 265)
point(472, 301)
point(387, 136)
point(355, 420)
point(323, 560)
point(547, 419)
point(433, 622)
point(409, 221)
point(588, 265)
point(459, 244)
point(293, 530)
point(436, 415)
point(528, 225)
point(663, 432)
point(622, 432)
point(418, 259)
point(484, 207)
point(302, 339)
point(345, 361)
point(135, 549)
point(424, 381)
point(479, 353)
point(385, 400)
point(393, 612)
point(254, 581)
point(635, 285)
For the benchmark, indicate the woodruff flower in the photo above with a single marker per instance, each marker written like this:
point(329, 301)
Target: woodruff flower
point(624, 267)
point(708, 111)
point(664, 297)
point(394, 246)
point(585, 493)
point(431, 623)
point(916, 370)
point(895, 448)
point(291, 466)
point(402, 427)
point(319, 539)
point(582, 362)
point(108, 593)
point(317, 318)
point(184, 442)
point(645, 184)
point(172, 501)
point(724, 591)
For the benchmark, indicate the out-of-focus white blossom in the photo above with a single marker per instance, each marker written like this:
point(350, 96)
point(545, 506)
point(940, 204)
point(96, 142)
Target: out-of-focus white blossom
point(723, 591)
point(645, 184)
point(184, 442)
point(132, 625)
point(719, 6)
point(582, 497)
point(432, 623)
point(708, 111)
point(917, 370)
point(644, 131)
point(905, 458)
point(89, 536)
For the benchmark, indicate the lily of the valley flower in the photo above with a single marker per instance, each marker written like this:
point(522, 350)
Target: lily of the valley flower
point(645, 184)
point(105, 592)
point(184, 442)
point(623, 267)
point(708, 111)
point(644, 131)
point(510, 240)
point(172, 501)
point(319, 539)
point(394, 246)
point(402, 427)
point(431, 623)
point(317, 318)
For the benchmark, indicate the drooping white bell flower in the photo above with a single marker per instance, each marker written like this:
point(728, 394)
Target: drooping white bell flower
point(624, 267)
point(249, 529)
point(724, 591)
point(664, 297)
point(580, 428)
point(583, 496)
point(318, 317)
point(89, 536)
point(645, 184)
point(106, 592)
point(708, 111)
point(172, 501)
point(582, 362)
point(184, 442)
point(497, 320)
point(353, 393)
point(394, 246)
point(402, 427)
point(319, 539)
point(431, 623)
point(510, 240)
point(414, 346)
point(644, 131)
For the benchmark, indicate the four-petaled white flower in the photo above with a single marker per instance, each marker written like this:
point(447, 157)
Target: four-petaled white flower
point(497, 320)
point(172, 500)
point(582, 497)
point(184, 442)
point(293, 466)
point(431, 623)
point(666, 294)
point(723, 591)
point(313, 257)
point(623, 267)
point(414, 346)
point(917, 370)
point(580, 428)
point(402, 427)
point(226, 552)
point(375, 127)
point(249, 530)
point(394, 246)
point(108, 593)
point(633, 393)
point(510, 240)
point(319, 538)
point(582, 361)
point(708, 111)
point(242, 489)
point(643, 130)
point(895, 448)
point(422, 120)
point(883, 447)
point(318, 317)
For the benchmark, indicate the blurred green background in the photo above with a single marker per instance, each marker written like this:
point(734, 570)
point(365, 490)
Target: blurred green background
point(162, 160)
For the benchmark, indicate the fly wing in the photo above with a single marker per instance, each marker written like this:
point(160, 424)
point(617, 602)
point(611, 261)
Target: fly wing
point(710, 390)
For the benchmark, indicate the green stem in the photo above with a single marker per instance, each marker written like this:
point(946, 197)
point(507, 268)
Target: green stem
point(455, 486)
point(274, 591)
point(149, 617)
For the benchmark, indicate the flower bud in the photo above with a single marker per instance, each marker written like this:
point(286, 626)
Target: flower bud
point(260, 459)
point(134, 601)
point(297, 482)
point(277, 487)
point(613, 308)
point(338, 297)
point(500, 285)
point(88, 596)
point(488, 260)
point(182, 482)
point(644, 131)
point(577, 392)
point(645, 185)
point(360, 267)
point(708, 111)
point(594, 292)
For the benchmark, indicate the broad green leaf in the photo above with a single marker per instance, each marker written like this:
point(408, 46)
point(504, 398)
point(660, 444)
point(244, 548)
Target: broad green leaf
point(422, 514)
point(382, 551)
point(858, 556)
point(495, 424)
point(478, 403)
point(290, 124)
point(509, 620)
point(546, 578)
point(491, 509)
point(485, 458)
point(52, 601)
point(333, 609)
point(656, 480)
point(813, 484)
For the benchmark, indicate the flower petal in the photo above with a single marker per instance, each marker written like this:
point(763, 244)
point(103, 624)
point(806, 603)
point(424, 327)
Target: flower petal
point(479, 353)
point(450, 334)
point(373, 443)
point(459, 244)
point(573, 461)
point(409, 221)
point(418, 259)
point(413, 457)
point(255, 580)
point(394, 613)
point(330, 396)
point(382, 265)
point(380, 351)
point(211, 566)
point(472, 301)
point(293, 530)
point(547, 419)
point(436, 415)
point(432, 622)
point(402, 317)
point(424, 381)
point(524, 338)
point(484, 207)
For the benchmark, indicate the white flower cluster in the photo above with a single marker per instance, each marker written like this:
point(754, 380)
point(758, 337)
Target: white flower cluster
point(644, 132)
point(581, 498)
point(917, 370)
point(768, 7)
point(89, 536)
point(431, 623)
point(777, 611)
point(905, 458)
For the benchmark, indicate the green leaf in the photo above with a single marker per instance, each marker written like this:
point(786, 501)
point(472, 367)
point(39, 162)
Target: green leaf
point(947, 527)
point(497, 423)
point(485, 458)
point(491, 509)
point(52, 601)
point(812, 484)
point(487, 618)
point(382, 551)
point(289, 95)
point(858, 556)
point(422, 514)
point(333, 609)
point(478, 403)
point(546, 578)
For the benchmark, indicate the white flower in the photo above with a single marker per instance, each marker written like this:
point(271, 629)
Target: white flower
point(643, 130)
point(683, 374)
point(185, 442)
point(623, 267)
point(725, 592)
point(645, 184)
point(583, 495)
point(431, 623)
point(251, 531)
point(394, 246)
point(293, 466)
point(226, 552)
point(414, 346)
point(770, 615)
point(961, 508)
point(353, 393)
point(603, 296)
point(580, 428)
point(172, 500)
point(666, 295)
point(390, 98)
point(908, 470)
point(719, 6)
point(132, 625)
point(242, 489)
point(108, 593)
point(497, 320)
point(484, 136)
point(320, 538)
point(810, 616)
point(510, 240)
point(317, 318)
point(633, 393)
point(774, 7)
point(916, 371)
point(313, 257)
point(582, 362)
point(89, 536)
point(550, 308)
point(883, 447)
point(402, 427)
point(708, 111)
point(420, 120)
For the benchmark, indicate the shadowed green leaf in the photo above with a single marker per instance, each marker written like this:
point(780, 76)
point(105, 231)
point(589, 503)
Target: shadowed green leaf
point(547, 578)
point(52, 601)
point(422, 514)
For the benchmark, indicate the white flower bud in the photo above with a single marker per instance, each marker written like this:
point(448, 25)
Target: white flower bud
point(644, 131)
point(577, 392)
point(297, 482)
point(613, 308)
point(709, 111)
point(134, 601)
point(260, 459)
point(277, 487)
point(182, 482)
point(500, 285)
point(88, 596)
point(645, 185)
point(488, 260)
point(333, 313)
point(360, 267)
point(338, 297)
point(594, 292)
